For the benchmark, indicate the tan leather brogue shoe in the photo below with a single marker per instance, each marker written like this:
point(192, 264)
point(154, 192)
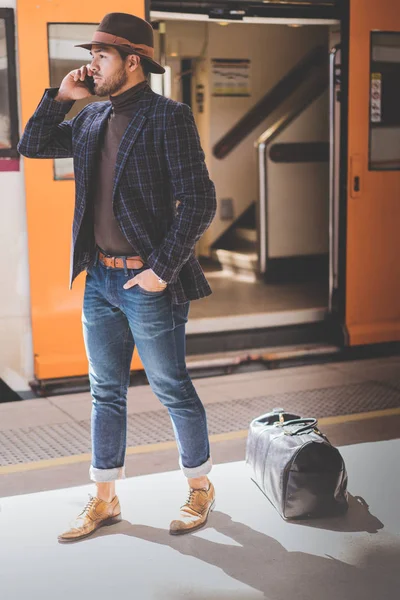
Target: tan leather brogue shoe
point(96, 513)
point(194, 513)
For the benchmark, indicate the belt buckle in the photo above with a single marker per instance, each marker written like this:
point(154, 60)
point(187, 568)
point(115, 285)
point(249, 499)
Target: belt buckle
point(109, 261)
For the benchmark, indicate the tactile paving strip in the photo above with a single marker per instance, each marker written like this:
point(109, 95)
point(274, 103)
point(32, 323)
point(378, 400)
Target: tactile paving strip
point(66, 439)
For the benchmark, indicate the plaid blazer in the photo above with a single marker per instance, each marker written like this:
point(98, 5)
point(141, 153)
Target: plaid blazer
point(160, 161)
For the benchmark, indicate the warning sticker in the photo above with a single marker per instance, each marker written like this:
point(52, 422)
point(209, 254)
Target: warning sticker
point(376, 97)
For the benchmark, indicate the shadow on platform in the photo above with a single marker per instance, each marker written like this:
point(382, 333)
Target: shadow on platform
point(261, 562)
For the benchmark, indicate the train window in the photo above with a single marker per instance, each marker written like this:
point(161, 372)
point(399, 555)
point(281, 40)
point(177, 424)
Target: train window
point(8, 89)
point(63, 58)
point(384, 139)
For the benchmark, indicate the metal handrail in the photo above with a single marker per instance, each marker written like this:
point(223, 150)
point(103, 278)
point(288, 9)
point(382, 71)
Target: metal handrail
point(281, 91)
point(332, 177)
point(262, 144)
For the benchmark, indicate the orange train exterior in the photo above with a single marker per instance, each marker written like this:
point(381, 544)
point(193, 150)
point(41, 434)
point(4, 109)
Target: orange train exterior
point(56, 311)
point(373, 213)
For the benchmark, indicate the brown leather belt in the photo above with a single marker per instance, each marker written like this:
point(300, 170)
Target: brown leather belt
point(116, 262)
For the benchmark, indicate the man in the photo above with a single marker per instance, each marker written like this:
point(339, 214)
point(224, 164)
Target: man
point(136, 158)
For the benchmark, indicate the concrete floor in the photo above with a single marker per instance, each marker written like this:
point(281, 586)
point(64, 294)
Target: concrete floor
point(246, 551)
point(234, 297)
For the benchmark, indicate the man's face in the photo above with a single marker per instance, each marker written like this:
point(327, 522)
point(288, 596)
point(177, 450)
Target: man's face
point(110, 72)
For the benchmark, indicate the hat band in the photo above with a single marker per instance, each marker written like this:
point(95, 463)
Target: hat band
point(100, 37)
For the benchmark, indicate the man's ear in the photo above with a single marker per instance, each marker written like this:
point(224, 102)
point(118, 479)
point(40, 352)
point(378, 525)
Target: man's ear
point(133, 61)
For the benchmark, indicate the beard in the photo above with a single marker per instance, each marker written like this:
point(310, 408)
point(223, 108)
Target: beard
point(110, 86)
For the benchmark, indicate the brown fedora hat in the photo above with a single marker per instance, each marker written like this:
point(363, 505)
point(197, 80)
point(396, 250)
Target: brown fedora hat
point(128, 33)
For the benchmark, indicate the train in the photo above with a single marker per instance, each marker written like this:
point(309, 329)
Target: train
point(297, 107)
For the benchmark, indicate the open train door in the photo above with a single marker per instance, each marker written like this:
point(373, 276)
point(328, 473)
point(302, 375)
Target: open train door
point(47, 32)
point(373, 187)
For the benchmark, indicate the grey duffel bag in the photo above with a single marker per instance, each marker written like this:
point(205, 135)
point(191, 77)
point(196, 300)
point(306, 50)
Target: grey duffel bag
point(296, 466)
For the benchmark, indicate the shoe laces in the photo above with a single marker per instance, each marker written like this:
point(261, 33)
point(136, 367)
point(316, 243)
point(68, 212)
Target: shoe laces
point(89, 505)
point(191, 495)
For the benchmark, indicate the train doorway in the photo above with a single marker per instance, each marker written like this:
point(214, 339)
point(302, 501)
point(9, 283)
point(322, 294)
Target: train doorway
point(265, 95)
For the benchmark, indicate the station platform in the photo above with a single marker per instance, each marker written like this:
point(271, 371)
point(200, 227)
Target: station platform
point(246, 551)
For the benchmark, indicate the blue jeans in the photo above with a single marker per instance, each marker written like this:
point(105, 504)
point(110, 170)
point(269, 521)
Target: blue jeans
point(114, 320)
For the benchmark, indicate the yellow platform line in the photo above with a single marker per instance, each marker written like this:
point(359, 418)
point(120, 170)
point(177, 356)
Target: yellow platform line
point(219, 437)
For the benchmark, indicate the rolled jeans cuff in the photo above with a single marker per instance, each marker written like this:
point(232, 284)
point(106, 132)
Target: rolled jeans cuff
point(199, 471)
point(104, 475)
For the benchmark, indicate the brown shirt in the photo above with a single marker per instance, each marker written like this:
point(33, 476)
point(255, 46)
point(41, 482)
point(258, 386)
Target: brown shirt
point(107, 233)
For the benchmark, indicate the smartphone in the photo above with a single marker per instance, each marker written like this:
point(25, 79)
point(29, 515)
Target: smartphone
point(89, 82)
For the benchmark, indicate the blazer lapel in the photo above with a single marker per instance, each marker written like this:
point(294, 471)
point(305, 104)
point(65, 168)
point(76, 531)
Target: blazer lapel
point(128, 139)
point(132, 131)
point(93, 139)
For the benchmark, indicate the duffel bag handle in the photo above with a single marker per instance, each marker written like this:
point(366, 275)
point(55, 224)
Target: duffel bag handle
point(276, 413)
point(309, 423)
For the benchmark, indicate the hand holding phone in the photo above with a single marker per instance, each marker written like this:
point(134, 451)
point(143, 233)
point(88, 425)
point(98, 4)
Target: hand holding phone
point(89, 82)
point(77, 84)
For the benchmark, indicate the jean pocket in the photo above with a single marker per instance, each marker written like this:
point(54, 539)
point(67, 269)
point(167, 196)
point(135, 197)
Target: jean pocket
point(147, 293)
